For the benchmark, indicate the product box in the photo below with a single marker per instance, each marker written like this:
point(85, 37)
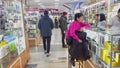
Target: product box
point(31, 26)
point(103, 53)
point(4, 51)
point(98, 51)
point(9, 38)
point(2, 43)
point(12, 47)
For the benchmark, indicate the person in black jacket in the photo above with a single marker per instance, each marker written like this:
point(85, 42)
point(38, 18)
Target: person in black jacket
point(78, 50)
point(63, 27)
point(46, 25)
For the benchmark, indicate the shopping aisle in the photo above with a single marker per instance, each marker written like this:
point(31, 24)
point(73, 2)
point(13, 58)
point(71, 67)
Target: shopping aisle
point(58, 58)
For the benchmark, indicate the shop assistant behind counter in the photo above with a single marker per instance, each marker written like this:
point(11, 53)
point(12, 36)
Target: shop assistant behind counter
point(115, 21)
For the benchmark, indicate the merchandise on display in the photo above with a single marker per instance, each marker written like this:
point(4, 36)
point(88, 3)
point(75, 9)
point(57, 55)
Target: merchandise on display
point(12, 40)
point(107, 50)
point(96, 8)
point(32, 19)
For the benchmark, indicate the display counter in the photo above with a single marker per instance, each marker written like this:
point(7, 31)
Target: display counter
point(14, 49)
point(104, 47)
point(32, 20)
point(35, 41)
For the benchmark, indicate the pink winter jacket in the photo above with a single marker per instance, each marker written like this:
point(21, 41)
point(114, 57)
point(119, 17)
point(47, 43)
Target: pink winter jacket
point(75, 26)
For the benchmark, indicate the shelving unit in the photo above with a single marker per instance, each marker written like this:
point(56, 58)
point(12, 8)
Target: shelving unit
point(32, 19)
point(97, 7)
point(105, 50)
point(12, 35)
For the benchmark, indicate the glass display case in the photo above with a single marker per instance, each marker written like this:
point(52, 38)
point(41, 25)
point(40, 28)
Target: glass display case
point(105, 48)
point(32, 19)
point(12, 39)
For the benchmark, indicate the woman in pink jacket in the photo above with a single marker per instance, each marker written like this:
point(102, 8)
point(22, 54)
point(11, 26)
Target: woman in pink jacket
point(76, 25)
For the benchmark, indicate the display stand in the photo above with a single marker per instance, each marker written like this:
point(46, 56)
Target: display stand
point(14, 49)
point(32, 19)
point(105, 48)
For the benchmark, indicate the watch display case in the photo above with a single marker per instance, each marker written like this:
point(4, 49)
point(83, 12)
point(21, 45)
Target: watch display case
point(12, 39)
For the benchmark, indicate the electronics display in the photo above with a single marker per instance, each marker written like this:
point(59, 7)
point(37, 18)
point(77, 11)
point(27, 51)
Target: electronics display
point(12, 39)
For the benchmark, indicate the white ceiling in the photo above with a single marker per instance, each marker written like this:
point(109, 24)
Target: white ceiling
point(58, 4)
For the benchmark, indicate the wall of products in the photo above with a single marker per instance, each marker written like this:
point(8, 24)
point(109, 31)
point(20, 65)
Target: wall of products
point(107, 7)
point(113, 7)
point(12, 39)
point(97, 8)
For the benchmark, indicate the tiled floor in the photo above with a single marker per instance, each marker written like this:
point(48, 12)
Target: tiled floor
point(59, 55)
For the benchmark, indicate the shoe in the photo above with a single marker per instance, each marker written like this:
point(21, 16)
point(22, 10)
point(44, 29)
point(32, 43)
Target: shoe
point(45, 51)
point(48, 54)
point(72, 62)
point(65, 47)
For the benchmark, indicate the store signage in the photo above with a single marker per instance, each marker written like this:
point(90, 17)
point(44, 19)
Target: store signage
point(50, 9)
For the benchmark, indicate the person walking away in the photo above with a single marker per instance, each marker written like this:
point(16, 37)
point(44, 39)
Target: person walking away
point(114, 22)
point(63, 27)
point(45, 26)
point(56, 22)
point(76, 25)
point(97, 19)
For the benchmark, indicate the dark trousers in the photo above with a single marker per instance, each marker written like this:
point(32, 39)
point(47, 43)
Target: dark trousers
point(46, 43)
point(63, 38)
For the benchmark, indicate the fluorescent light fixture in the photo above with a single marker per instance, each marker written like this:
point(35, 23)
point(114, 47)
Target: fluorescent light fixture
point(75, 0)
point(39, 3)
point(57, 0)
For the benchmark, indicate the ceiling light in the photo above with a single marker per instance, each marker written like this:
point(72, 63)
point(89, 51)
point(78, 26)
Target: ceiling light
point(75, 0)
point(57, 0)
point(39, 3)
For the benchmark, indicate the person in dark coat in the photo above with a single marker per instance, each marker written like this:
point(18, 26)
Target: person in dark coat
point(45, 26)
point(56, 22)
point(63, 27)
point(78, 50)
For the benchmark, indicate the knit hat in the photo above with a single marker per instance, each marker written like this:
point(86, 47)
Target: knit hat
point(64, 13)
point(45, 12)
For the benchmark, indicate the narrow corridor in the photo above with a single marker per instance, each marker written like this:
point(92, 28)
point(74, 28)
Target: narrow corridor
point(58, 56)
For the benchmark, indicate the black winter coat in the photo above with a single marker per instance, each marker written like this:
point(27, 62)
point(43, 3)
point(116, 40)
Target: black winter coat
point(80, 50)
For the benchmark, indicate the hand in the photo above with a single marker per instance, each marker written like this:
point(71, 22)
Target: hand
point(64, 32)
point(82, 29)
point(80, 41)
